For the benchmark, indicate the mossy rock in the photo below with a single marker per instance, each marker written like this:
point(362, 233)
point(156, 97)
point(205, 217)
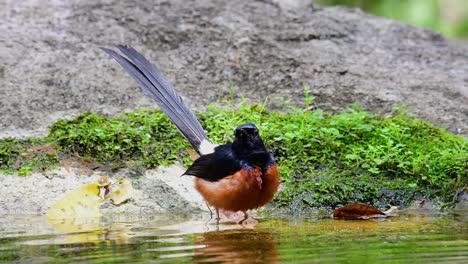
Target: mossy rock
point(325, 159)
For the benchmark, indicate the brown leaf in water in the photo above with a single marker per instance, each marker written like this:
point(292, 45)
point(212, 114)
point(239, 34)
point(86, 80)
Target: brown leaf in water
point(358, 211)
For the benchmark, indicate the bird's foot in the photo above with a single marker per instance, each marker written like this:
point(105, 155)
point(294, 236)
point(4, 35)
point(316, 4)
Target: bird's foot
point(246, 216)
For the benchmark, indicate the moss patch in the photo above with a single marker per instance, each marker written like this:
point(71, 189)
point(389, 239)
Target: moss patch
point(325, 159)
point(22, 157)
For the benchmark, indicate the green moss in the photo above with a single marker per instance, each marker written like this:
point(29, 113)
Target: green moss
point(10, 150)
point(142, 135)
point(325, 159)
point(354, 156)
point(23, 157)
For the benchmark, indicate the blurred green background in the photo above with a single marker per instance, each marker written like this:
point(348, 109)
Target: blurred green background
point(449, 17)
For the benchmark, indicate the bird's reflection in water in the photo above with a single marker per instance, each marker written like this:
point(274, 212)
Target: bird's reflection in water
point(227, 242)
point(242, 245)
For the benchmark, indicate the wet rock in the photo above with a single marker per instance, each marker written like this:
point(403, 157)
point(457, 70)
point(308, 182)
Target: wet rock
point(462, 196)
point(52, 67)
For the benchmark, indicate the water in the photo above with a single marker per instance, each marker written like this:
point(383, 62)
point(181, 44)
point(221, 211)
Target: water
point(416, 238)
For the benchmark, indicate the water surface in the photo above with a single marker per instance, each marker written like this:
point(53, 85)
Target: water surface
point(415, 238)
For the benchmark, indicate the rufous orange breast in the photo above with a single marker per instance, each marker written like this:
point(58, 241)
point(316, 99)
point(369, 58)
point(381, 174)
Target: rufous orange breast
point(244, 190)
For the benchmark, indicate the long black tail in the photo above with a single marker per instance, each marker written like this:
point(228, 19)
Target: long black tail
point(157, 87)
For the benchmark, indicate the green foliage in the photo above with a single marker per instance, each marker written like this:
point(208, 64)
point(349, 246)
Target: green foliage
point(145, 135)
point(37, 160)
point(449, 18)
point(10, 150)
point(20, 157)
point(354, 156)
point(325, 159)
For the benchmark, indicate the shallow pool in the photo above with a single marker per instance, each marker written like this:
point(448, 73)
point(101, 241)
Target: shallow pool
point(415, 238)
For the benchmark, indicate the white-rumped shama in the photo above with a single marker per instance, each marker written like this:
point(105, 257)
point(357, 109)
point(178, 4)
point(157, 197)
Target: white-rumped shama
point(238, 176)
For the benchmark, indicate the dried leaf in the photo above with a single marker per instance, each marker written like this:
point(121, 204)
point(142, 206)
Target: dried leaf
point(120, 191)
point(104, 180)
point(358, 211)
point(82, 202)
point(392, 211)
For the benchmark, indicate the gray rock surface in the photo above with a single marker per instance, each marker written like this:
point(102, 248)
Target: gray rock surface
point(52, 67)
point(155, 191)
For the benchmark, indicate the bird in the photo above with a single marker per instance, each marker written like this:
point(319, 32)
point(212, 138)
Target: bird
point(237, 176)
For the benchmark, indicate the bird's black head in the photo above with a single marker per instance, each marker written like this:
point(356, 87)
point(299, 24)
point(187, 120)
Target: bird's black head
point(246, 131)
point(247, 139)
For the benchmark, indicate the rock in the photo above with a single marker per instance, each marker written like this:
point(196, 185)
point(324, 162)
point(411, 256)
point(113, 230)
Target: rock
point(156, 191)
point(52, 67)
point(463, 195)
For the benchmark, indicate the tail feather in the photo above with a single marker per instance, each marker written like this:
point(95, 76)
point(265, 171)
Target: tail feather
point(157, 87)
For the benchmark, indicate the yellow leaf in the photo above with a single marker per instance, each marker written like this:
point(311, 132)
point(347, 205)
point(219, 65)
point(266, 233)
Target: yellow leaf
point(82, 202)
point(120, 191)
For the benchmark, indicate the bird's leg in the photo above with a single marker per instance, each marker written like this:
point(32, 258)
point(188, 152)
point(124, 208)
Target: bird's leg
point(246, 216)
point(209, 209)
point(217, 215)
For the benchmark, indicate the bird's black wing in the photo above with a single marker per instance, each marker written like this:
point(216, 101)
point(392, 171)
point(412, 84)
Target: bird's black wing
point(215, 166)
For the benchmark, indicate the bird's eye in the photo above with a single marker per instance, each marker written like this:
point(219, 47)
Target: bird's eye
point(255, 132)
